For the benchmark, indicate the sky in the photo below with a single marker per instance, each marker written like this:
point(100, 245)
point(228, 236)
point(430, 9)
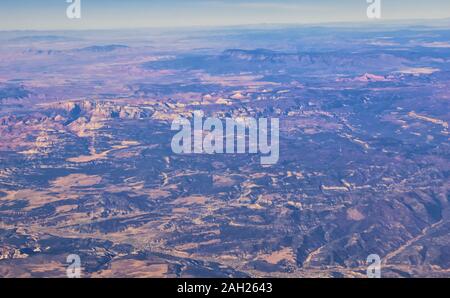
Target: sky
point(114, 14)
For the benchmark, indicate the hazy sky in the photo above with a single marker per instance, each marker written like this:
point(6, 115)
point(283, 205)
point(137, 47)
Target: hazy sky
point(103, 14)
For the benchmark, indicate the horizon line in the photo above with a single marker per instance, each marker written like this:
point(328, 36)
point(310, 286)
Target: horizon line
point(324, 24)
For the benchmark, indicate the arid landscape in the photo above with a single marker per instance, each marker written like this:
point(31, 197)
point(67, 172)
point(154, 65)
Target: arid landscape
point(86, 165)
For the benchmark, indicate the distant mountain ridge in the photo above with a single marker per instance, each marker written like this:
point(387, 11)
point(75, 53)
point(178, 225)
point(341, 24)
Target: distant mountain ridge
point(263, 60)
point(41, 38)
point(103, 48)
